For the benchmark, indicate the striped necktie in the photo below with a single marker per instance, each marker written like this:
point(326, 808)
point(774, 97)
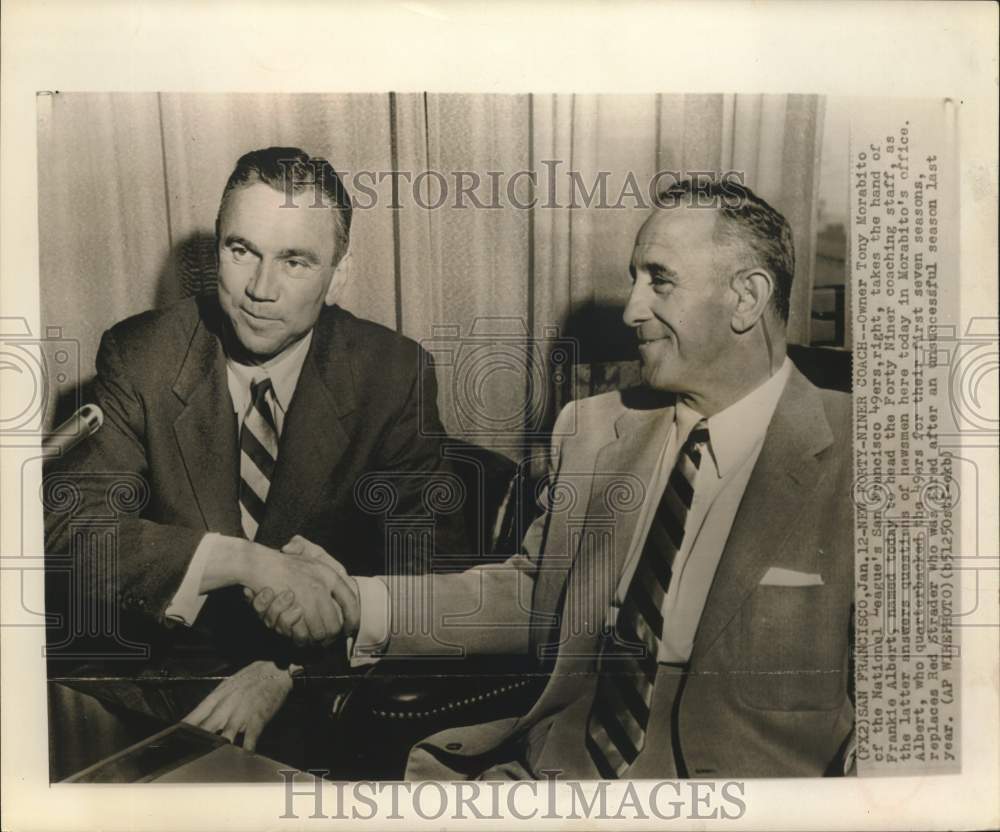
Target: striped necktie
point(258, 454)
point(616, 730)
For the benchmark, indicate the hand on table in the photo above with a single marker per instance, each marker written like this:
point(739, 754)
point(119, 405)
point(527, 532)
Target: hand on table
point(317, 605)
point(244, 703)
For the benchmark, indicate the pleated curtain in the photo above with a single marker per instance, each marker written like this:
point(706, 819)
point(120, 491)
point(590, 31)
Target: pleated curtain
point(129, 186)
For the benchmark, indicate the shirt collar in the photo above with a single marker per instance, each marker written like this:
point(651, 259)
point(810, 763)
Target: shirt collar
point(736, 431)
point(283, 370)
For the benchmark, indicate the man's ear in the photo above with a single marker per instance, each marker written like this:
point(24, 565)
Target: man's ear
point(753, 288)
point(340, 274)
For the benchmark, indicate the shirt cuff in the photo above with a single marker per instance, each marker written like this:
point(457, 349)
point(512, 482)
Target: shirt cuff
point(373, 629)
point(188, 601)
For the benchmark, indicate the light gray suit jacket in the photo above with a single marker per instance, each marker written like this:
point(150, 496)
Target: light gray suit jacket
point(766, 689)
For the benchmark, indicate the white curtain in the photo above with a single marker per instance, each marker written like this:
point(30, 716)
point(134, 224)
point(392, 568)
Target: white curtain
point(129, 186)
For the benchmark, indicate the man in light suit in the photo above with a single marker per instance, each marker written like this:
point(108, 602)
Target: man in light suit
point(241, 421)
point(694, 609)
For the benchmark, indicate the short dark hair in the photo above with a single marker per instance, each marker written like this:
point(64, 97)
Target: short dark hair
point(291, 168)
point(750, 222)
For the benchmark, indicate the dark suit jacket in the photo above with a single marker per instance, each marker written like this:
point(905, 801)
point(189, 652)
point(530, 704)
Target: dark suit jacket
point(164, 468)
point(766, 689)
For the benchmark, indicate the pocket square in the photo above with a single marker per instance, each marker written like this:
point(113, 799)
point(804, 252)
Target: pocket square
point(776, 576)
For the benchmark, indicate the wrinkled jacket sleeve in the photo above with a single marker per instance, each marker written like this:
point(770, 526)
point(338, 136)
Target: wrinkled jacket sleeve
point(103, 478)
point(484, 610)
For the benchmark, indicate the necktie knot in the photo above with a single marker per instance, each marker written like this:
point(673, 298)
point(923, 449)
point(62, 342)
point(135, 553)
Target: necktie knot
point(698, 438)
point(259, 390)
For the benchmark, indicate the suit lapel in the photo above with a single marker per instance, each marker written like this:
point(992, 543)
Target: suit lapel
point(620, 483)
point(624, 467)
point(313, 438)
point(205, 431)
point(783, 477)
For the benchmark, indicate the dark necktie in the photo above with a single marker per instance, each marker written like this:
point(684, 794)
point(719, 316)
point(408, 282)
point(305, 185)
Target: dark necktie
point(616, 730)
point(258, 454)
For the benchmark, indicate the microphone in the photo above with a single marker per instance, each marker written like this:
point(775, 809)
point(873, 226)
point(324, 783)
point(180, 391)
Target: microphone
point(81, 425)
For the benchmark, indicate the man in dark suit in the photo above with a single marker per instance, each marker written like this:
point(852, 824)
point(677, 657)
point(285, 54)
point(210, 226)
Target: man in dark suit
point(693, 608)
point(240, 422)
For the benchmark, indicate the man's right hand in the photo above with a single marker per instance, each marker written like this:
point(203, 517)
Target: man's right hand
point(316, 600)
point(302, 575)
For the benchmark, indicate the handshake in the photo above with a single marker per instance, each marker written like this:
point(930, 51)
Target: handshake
point(302, 592)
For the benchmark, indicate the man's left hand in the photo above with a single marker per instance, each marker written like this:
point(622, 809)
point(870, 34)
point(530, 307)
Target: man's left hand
point(244, 703)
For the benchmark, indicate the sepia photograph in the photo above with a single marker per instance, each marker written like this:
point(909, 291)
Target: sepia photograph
point(376, 444)
point(399, 442)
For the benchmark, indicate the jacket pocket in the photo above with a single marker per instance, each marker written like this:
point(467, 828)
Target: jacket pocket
point(794, 648)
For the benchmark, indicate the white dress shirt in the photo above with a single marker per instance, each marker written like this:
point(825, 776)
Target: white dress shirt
point(283, 370)
point(736, 436)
